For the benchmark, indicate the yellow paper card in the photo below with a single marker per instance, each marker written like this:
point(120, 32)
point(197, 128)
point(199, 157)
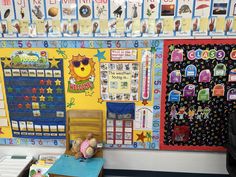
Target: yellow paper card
point(24, 27)
point(168, 24)
point(85, 26)
point(234, 24)
point(120, 25)
point(103, 26)
point(203, 24)
point(186, 25)
point(56, 26)
point(9, 27)
point(151, 25)
point(39, 26)
point(220, 24)
point(136, 25)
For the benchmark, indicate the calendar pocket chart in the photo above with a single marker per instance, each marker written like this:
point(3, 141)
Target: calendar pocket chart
point(34, 87)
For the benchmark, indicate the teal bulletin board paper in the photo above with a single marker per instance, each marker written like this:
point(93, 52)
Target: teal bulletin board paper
point(69, 166)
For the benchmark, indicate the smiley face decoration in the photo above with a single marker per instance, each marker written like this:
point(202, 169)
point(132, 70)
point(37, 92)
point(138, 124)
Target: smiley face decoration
point(82, 74)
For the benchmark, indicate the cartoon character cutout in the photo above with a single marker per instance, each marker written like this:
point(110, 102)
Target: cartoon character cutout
point(82, 73)
point(206, 112)
point(173, 112)
point(191, 113)
point(199, 112)
point(182, 112)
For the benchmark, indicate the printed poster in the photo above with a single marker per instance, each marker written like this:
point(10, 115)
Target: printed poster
point(69, 9)
point(85, 9)
point(22, 9)
point(117, 9)
point(119, 81)
point(151, 8)
point(202, 8)
point(134, 8)
point(101, 10)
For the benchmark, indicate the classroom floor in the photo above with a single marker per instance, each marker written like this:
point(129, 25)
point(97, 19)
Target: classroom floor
point(128, 173)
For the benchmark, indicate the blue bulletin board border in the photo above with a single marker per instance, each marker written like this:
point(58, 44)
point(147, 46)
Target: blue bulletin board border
point(155, 45)
point(78, 43)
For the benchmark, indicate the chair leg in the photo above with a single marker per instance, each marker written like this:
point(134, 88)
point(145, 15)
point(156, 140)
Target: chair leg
point(101, 173)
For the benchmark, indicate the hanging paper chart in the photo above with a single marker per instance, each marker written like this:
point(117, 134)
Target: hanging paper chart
point(35, 92)
point(198, 94)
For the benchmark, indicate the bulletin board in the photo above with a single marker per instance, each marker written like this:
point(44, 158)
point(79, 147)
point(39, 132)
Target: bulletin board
point(117, 18)
point(198, 94)
point(41, 80)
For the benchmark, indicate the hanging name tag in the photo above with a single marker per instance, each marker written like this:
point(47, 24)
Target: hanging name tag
point(205, 76)
point(189, 90)
point(232, 75)
point(175, 76)
point(203, 95)
point(174, 96)
point(231, 94)
point(190, 71)
point(220, 70)
point(218, 90)
point(177, 55)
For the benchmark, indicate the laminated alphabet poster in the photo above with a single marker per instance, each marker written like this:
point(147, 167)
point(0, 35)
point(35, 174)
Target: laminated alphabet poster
point(198, 94)
point(117, 18)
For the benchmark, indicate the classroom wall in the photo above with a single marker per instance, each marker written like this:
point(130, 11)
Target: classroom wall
point(168, 161)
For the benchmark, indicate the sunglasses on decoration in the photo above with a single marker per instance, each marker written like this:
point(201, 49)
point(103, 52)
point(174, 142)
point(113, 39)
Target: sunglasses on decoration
point(85, 61)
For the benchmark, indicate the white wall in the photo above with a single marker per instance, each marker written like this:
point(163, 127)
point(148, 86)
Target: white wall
point(170, 161)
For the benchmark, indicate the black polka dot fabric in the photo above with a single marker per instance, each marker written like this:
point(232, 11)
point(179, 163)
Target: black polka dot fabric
point(191, 122)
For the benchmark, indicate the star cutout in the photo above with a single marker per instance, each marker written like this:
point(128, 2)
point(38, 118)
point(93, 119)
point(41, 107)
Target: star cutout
point(9, 89)
point(172, 47)
point(20, 106)
point(34, 90)
point(43, 106)
point(41, 90)
point(28, 106)
point(7, 62)
point(26, 98)
point(49, 82)
point(41, 82)
point(153, 49)
point(54, 62)
point(1, 132)
point(89, 92)
point(144, 102)
point(34, 98)
point(57, 82)
point(100, 100)
point(49, 90)
point(42, 98)
point(141, 137)
point(100, 55)
point(50, 98)
point(59, 90)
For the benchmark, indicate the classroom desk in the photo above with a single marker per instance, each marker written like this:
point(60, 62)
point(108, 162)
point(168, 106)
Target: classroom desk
point(69, 166)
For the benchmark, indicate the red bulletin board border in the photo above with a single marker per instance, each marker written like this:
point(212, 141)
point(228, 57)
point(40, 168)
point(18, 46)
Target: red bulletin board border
point(167, 43)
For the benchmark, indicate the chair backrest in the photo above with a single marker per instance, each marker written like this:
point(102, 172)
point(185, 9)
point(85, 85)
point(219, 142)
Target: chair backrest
point(81, 122)
point(232, 130)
